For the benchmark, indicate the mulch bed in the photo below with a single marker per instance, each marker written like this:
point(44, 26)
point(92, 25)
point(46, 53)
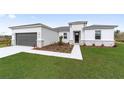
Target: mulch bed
point(65, 48)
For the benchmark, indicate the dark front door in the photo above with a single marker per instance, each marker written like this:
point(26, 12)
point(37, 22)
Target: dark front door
point(76, 37)
point(26, 39)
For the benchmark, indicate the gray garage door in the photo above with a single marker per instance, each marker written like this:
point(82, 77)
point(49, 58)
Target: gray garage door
point(26, 39)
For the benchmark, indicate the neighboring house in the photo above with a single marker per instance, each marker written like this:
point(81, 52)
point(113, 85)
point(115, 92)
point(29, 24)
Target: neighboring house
point(76, 33)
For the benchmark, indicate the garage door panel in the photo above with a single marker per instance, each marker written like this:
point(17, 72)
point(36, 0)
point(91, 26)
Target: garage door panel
point(26, 39)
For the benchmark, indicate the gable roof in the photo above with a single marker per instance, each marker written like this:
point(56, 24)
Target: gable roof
point(78, 22)
point(63, 28)
point(31, 26)
point(100, 27)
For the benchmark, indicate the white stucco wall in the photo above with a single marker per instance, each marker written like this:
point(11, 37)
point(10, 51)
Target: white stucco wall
point(49, 36)
point(62, 34)
point(106, 34)
point(76, 27)
point(107, 37)
point(73, 28)
point(89, 34)
point(27, 30)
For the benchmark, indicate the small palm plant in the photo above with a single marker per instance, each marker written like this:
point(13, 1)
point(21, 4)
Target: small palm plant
point(60, 40)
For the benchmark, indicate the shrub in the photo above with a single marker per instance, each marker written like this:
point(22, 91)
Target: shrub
point(102, 45)
point(6, 41)
point(84, 44)
point(115, 45)
point(60, 40)
point(93, 45)
point(120, 37)
point(120, 40)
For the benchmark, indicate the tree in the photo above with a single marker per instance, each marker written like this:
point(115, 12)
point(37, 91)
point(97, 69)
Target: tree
point(116, 33)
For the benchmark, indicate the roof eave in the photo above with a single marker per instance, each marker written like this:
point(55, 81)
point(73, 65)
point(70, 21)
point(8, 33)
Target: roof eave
point(30, 26)
point(92, 27)
point(78, 22)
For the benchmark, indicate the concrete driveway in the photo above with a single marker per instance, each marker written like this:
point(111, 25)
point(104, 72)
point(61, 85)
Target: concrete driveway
point(11, 50)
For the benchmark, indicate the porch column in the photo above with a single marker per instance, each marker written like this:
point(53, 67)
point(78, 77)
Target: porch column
point(39, 39)
point(71, 41)
point(82, 41)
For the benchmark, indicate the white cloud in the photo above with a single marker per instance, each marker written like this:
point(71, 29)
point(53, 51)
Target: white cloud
point(12, 16)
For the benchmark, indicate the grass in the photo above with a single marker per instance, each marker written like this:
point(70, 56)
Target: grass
point(5, 42)
point(98, 63)
point(3, 45)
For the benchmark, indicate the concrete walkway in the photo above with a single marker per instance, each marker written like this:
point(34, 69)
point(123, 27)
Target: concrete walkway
point(7, 51)
point(76, 52)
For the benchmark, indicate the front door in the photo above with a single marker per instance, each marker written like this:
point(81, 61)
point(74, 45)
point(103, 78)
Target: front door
point(76, 34)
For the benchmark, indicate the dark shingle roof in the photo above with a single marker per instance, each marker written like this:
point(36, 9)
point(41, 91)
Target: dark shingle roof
point(100, 27)
point(63, 28)
point(78, 22)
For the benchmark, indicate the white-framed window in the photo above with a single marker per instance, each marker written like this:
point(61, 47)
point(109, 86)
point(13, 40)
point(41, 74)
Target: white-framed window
point(65, 35)
point(98, 34)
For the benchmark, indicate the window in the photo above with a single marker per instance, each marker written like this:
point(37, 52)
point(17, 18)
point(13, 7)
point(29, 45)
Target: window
point(65, 35)
point(98, 34)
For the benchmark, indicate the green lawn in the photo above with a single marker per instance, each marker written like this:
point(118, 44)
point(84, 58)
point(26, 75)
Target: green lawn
point(3, 45)
point(98, 63)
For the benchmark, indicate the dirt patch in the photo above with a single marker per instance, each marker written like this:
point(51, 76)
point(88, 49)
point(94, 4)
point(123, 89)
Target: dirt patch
point(64, 48)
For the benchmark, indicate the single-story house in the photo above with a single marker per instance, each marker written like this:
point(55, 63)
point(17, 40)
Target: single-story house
point(75, 33)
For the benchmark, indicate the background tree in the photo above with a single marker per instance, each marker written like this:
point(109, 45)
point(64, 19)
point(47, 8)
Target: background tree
point(116, 33)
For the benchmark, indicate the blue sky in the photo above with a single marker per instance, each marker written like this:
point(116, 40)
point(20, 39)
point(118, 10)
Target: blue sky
point(55, 20)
